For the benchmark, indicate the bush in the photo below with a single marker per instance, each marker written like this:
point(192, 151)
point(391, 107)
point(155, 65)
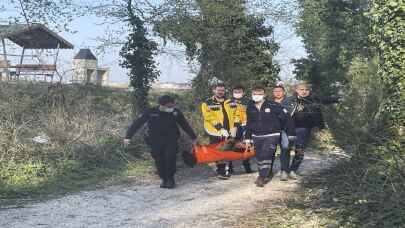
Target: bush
point(367, 190)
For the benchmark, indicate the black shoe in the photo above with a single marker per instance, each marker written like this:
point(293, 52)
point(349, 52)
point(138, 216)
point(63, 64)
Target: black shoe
point(222, 176)
point(222, 173)
point(164, 184)
point(171, 183)
point(230, 170)
point(260, 182)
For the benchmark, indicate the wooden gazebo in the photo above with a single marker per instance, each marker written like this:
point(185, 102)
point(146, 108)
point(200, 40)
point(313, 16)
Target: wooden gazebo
point(32, 36)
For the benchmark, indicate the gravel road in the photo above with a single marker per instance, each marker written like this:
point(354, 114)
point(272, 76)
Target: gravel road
point(200, 200)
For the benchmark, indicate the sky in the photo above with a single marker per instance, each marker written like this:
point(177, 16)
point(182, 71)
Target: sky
point(173, 68)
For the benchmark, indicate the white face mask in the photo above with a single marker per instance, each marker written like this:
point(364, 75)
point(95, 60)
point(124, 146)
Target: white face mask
point(165, 109)
point(257, 98)
point(237, 95)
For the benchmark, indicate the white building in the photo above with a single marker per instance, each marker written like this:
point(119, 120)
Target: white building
point(86, 70)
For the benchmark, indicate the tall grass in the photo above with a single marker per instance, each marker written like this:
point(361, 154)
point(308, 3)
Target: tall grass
point(84, 127)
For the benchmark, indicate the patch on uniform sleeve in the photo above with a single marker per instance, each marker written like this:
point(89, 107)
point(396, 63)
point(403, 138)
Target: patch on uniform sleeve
point(267, 110)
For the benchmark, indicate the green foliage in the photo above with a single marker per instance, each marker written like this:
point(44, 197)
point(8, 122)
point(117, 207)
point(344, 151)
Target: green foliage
point(357, 120)
point(359, 52)
point(229, 45)
point(388, 34)
point(137, 54)
point(333, 32)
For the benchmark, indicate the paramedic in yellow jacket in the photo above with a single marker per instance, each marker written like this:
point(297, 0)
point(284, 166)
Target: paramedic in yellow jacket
point(221, 118)
point(239, 99)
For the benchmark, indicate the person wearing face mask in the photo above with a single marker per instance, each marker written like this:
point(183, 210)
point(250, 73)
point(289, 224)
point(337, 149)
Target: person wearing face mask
point(307, 116)
point(265, 120)
point(240, 101)
point(279, 96)
point(220, 121)
point(163, 133)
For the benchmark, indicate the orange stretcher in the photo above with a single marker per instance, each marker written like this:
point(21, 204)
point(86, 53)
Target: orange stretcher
point(213, 152)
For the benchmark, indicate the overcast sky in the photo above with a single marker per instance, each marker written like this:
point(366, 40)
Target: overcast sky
point(173, 68)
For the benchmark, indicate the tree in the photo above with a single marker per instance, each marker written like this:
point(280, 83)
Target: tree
point(228, 44)
point(333, 32)
point(54, 13)
point(138, 57)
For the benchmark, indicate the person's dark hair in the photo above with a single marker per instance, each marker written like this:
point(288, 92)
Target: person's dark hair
point(239, 87)
point(259, 88)
point(218, 85)
point(165, 99)
point(279, 86)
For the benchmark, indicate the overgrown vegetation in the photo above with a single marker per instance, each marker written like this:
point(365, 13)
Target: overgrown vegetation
point(366, 190)
point(80, 128)
point(84, 126)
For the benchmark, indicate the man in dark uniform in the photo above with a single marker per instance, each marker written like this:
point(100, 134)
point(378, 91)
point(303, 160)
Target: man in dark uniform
point(163, 134)
point(307, 116)
point(265, 120)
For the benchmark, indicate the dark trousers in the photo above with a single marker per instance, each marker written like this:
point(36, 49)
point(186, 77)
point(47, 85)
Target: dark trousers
point(164, 153)
point(303, 136)
point(265, 149)
point(285, 156)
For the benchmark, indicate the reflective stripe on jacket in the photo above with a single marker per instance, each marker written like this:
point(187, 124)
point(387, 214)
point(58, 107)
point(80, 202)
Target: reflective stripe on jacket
point(213, 115)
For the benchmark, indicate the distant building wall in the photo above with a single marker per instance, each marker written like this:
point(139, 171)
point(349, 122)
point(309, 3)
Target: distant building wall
point(84, 70)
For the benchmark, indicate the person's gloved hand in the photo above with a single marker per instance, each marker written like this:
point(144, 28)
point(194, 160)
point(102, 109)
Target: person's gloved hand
point(248, 143)
point(224, 133)
point(233, 132)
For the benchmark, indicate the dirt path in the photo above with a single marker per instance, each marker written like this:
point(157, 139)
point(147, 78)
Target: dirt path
point(200, 200)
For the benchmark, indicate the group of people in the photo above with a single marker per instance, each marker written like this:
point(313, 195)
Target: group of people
point(260, 122)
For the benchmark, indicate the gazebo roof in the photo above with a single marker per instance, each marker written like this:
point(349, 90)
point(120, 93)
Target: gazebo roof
point(33, 36)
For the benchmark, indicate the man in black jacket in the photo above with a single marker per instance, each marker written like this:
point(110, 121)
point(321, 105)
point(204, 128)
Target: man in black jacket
point(286, 142)
point(163, 134)
point(265, 120)
point(307, 115)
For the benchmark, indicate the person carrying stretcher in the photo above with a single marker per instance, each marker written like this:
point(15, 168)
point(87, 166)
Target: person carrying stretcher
point(221, 118)
point(238, 99)
point(265, 120)
point(163, 133)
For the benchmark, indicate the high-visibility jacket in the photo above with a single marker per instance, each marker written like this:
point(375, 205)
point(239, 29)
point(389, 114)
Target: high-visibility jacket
point(242, 103)
point(213, 114)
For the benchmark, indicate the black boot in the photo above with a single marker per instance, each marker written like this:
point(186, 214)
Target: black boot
point(230, 169)
point(164, 183)
point(222, 172)
point(171, 183)
point(260, 182)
